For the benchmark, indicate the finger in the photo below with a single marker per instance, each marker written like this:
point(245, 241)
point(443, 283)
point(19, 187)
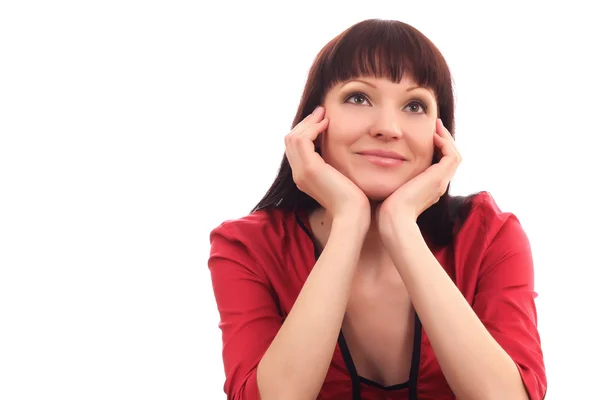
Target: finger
point(302, 125)
point(306, 146)
point(442, 130)
point(445, 140)
point(300, 147)
point(291, 152)
point(304, 141)
point(450, 154)
point(313, 130)
point(450, 158)
point(310, 118)
point(314, 118)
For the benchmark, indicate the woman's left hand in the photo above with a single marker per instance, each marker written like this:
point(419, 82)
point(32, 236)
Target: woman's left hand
point(421, 192)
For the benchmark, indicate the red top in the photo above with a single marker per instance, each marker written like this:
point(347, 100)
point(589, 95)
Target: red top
point(259, 263)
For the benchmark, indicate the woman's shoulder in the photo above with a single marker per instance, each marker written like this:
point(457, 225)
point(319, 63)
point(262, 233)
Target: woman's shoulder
point(258, 242)
point(257, 225)
point(485, 220)
point(486, 211)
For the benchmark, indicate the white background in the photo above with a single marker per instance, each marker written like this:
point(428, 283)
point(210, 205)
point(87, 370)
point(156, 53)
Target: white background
point(130, 129)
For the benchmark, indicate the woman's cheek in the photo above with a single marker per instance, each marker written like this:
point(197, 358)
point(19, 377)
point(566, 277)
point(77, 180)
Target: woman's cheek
point(348, 127)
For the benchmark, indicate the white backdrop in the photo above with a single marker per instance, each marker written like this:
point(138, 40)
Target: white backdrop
point(130, 129)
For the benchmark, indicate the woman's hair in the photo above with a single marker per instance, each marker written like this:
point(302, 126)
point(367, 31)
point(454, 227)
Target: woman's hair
point(383, 49)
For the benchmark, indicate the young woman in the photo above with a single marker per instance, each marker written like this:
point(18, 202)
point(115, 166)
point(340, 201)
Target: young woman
point(358, 276)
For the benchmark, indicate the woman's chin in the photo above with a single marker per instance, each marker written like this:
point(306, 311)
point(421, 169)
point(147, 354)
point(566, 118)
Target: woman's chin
point(378, 190)
point(377, 198)
point(378, 194)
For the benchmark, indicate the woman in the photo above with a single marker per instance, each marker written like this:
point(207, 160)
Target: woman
point(358, 276)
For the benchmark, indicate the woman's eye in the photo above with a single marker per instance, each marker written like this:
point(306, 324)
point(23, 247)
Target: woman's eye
point(417, 107)
point(361, 98)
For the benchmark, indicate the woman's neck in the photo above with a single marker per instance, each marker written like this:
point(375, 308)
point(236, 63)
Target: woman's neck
point(372, 249)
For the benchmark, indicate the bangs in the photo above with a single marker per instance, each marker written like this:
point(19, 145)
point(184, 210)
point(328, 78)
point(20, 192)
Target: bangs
point(384, 49)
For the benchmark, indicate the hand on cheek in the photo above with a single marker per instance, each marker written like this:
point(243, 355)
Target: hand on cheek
point(425, 189)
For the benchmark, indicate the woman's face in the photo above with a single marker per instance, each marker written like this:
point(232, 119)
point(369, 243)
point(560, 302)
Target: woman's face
point(372, 114)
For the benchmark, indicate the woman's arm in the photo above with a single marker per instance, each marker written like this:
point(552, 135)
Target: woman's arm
point(266, 357)
point(296, 362)
point(473, 362)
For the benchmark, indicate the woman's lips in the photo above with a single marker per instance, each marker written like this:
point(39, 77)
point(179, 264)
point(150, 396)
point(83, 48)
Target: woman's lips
point(382, 158)
point(382, 161)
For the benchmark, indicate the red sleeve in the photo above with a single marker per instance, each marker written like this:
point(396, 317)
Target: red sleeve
point(248, 310)
point(504, 300)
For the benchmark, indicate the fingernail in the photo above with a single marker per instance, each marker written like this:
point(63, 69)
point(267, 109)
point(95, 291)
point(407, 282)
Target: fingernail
point(317, 109)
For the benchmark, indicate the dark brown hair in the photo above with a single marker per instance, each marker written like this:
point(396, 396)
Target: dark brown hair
point(383, 49)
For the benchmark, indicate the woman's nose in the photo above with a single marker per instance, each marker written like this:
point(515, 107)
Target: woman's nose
point(386, 125)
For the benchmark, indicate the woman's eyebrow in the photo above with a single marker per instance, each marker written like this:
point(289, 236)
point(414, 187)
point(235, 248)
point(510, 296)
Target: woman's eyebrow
point(375, 86)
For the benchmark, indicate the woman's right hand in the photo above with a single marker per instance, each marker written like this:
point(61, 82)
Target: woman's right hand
point(329, 187)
